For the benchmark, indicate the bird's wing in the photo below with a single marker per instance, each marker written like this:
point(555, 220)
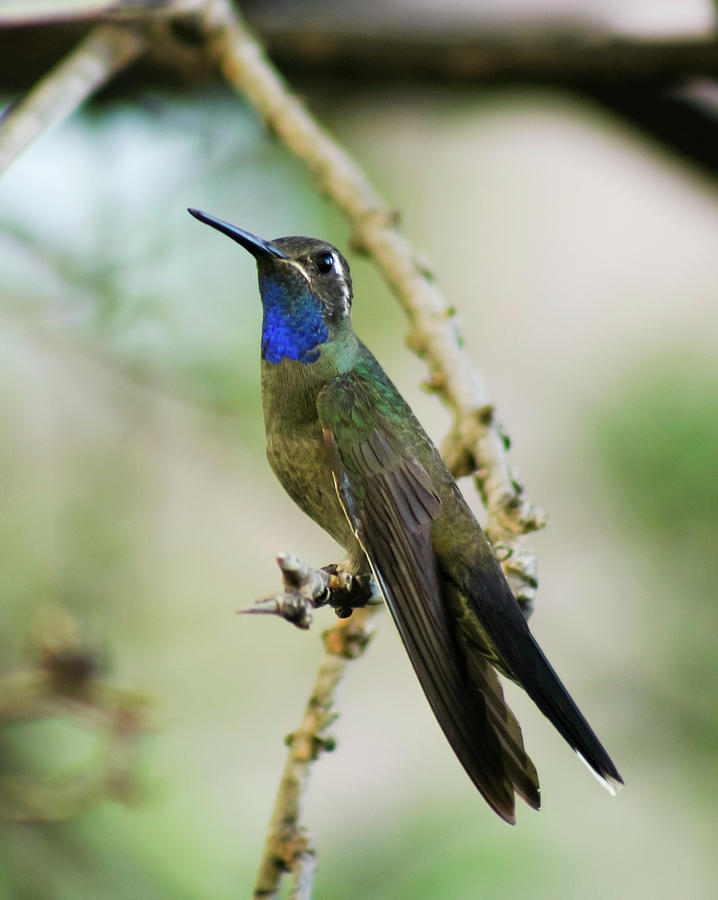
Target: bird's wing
point(390, 503)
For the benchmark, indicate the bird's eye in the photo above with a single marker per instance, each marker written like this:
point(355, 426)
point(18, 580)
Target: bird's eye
point(324, 262)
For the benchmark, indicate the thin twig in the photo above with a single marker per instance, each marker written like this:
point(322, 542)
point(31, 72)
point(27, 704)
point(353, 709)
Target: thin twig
point(17, 13)
point(66, 681)
point(287, 848)
point(105, 50)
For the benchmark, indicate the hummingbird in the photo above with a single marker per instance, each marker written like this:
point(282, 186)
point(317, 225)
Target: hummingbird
point(348, 450)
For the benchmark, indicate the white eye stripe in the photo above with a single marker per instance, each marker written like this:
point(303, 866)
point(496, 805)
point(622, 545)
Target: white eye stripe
point(344, 288)
point(297, 265)
point(341, 282)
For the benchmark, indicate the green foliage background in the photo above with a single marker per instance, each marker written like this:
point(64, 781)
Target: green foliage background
point(135, 494)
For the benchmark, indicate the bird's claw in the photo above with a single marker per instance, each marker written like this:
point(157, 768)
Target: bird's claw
point(306, 589)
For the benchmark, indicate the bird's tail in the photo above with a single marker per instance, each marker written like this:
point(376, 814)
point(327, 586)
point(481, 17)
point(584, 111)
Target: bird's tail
point(542, 684)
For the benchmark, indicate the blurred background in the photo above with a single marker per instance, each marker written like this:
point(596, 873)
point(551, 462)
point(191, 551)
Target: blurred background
point(137, 510)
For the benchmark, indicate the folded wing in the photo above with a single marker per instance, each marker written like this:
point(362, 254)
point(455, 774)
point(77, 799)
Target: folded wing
point(390, 504)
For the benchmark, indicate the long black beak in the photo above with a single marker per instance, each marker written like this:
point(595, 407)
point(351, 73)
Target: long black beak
point(255, 245)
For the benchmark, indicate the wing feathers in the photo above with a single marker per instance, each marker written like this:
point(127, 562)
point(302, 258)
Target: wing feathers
point(460, 709)
point(521, 771)
point(457, 623)
point(390, 502)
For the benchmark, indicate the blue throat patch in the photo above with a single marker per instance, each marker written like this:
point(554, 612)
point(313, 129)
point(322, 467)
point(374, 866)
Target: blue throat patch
point(293, 326)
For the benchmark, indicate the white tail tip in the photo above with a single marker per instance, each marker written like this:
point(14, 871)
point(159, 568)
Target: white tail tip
point(610, 784)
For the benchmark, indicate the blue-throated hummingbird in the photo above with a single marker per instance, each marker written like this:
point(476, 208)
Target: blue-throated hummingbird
point(348, 450)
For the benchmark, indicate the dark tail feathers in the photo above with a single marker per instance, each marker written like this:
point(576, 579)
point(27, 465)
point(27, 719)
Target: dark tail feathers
point(545, 688)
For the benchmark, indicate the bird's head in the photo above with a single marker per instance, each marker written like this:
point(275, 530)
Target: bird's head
point(306, 291)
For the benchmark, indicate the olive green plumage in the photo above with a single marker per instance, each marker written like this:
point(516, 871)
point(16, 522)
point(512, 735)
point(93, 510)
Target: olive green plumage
point(348, 450)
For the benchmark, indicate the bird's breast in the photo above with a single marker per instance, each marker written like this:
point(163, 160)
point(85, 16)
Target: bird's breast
point(299, 460)
point(296, 450)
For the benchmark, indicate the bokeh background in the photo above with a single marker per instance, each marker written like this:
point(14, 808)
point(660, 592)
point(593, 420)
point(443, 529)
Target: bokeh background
point(137, 508)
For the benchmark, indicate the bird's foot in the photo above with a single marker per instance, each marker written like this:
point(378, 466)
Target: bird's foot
point(306, 589)
point(348, 592)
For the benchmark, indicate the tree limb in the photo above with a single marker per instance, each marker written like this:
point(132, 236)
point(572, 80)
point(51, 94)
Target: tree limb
point(570, 55)
point(105, 50)
point(20, 13)
point(287, 847)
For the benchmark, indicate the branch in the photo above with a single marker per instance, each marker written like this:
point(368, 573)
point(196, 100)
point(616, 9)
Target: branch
point(105, 50)
point(66, 680)
point(572, 51)
point(573, 54)
point(287, 848)
point(19, 13)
